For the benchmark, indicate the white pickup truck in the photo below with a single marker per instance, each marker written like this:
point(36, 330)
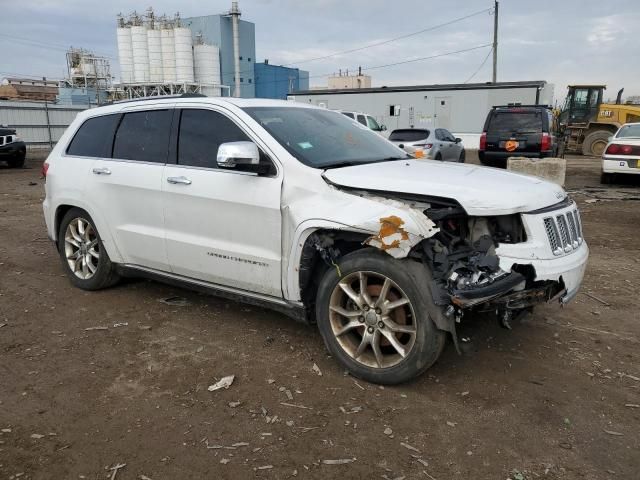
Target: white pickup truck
point(302, 210)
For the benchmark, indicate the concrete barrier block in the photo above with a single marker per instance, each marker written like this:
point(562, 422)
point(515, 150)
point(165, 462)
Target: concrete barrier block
point(552, 169)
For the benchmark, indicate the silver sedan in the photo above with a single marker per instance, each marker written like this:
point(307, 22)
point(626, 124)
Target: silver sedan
point(436, 144)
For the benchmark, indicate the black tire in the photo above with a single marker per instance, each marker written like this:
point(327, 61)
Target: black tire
point(428, 342)
point(462, 156)
point(606, 178)
point(105, 274)
point(438, 156)
point(593, 141)
point(17, 161)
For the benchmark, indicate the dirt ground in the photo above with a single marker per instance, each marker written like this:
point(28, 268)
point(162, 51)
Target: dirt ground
point(557, 397)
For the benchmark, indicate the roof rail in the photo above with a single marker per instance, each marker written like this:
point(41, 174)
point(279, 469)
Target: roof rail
point(519, 105)
point(155, 97)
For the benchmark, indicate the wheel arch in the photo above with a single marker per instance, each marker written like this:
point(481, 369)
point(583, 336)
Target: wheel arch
point(101, 225)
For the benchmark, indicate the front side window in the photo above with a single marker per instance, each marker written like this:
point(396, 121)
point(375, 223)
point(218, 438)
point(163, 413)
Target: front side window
point(322, 138)
point(94, 138)
point(143, 136)
point(201, 133)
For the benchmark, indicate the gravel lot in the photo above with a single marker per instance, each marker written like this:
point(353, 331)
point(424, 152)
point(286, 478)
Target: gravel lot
point(557, 397)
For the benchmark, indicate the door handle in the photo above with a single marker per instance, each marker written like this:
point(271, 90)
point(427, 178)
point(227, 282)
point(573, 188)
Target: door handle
point(179, 180)
point(102, 171)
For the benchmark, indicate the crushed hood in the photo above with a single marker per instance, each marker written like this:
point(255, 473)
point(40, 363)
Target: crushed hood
point(479, 190)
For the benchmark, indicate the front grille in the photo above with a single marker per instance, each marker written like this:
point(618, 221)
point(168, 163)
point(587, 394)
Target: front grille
point(564, 232)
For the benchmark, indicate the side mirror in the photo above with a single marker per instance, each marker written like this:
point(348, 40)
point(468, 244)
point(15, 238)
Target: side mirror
point(383, 128)
point(458, 140)
point(232, 154)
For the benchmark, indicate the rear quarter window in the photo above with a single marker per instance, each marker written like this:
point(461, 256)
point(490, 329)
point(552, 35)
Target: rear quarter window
point(94, 138)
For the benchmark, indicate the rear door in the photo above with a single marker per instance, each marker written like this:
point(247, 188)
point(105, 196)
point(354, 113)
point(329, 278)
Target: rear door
point(127, 187)
point(223, 226)
point(515, 130)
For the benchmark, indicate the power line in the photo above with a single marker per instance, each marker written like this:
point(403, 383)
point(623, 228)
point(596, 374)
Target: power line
point(384, 42)
point(481, 65)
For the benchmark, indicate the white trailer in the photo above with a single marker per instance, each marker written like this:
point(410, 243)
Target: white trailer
point(460, 108)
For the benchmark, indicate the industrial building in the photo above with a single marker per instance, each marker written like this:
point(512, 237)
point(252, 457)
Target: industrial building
point(88, 79)
point(162, 56)
point(344, 80)
point(275, 81)
point(12, 88)
point(460, 108)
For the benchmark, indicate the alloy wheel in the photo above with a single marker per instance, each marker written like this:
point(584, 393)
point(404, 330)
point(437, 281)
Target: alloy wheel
point(372, 319)
point(81, 248)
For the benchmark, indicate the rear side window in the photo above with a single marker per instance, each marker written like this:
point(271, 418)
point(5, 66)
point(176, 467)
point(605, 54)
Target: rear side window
point(94, 138)
point(362, 120)
point(515, 122)
point(143, 136)
point(410, 135)
point(350, 115)
point(201, 133)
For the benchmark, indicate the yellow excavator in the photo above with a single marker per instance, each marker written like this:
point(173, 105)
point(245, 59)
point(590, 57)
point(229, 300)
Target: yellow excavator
point(585, 123)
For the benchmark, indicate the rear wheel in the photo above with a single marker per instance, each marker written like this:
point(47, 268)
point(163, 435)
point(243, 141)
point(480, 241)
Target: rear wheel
point(373, 318)
point(438, 156)
point(595, 143)
point(83, 256)
point(17, 161)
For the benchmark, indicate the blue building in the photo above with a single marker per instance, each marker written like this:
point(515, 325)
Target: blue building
point(217, 30)
point(275, 81)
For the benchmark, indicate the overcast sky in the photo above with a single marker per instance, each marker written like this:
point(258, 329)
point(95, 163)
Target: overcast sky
point(561, 41)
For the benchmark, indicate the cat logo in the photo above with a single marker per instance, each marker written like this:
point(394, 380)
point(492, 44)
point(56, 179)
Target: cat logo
point(606, 113)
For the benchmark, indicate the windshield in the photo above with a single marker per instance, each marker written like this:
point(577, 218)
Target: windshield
point(322, 138)
point(409, 135)
point(515, 122)
point(629, 131)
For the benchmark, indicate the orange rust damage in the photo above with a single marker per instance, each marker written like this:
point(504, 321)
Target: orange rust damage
point(389, 226)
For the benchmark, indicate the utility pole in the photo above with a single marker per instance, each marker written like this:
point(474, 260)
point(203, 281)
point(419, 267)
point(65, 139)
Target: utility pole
point(495, 41)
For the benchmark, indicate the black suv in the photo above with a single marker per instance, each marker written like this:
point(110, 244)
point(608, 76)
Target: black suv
point(517, 131)
point(12, 148)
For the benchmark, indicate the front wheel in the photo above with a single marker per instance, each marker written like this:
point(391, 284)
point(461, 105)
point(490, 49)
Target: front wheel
point(374, 319)
point(17, 161)
point(461, 157)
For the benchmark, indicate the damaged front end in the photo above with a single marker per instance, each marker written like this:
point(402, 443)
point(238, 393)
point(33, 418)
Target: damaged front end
point(465, 267)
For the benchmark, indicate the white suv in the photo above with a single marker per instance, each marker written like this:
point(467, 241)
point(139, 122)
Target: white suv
point(300, 209)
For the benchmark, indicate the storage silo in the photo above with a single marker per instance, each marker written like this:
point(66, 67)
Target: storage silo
point(206, 64)
point(140, 53)
point(184, 54)
point(125, 54)
point(156, 73)
point(168, 55)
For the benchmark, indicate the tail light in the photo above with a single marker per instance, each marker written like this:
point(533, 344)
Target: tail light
point(483, 141)
point(45, 169)
point(546, 142)
point(617, 149)
point(424, 145)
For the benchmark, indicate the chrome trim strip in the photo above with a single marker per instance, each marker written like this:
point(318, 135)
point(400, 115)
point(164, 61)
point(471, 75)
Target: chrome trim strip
point(214, 286)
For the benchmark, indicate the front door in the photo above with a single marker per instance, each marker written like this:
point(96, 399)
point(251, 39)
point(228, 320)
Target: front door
point(222, 226)
point(127, 188)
